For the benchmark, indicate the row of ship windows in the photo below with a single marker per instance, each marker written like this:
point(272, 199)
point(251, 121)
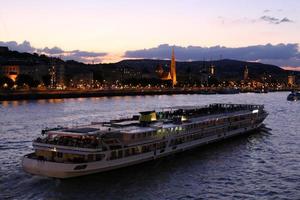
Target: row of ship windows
point(78, 158)
point(219, 131)
point(117, 154)
point(166, 131)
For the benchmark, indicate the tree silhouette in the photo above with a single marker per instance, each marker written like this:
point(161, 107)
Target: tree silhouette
point(25, 79)
point(189, 71)
point(98, 75)
point(213, 81)
point(46, 80)
point(5, 80)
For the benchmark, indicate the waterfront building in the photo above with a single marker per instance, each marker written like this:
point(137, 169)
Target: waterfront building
point(171, 75)
point(10, 71)
point(128, 73)
point(82, 80)
point(159, 70)
point(57, 76)
point(163, 75)
point(13, 71)
point(52, 73)
point(60, 75)
point(36, 71)
point(291, 80)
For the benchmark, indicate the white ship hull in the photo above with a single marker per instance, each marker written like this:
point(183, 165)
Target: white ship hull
point(67, 170)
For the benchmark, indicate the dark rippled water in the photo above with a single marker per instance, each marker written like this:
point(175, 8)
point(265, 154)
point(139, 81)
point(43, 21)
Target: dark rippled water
point(258, 166)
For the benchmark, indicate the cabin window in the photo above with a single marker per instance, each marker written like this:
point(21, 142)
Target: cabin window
point(133, 136)
point(145, 148)
point(113, 155)
point(127, 152)
point(138, 149)
point(120, 153)
point(90, 157)
point(99, 156)
point(133, 150)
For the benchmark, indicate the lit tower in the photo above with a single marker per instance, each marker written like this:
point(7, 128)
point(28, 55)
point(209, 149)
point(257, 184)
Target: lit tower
point(52, 73)
point(173, 68)
point(291, 80)
point(212, 70)
point(246, 73)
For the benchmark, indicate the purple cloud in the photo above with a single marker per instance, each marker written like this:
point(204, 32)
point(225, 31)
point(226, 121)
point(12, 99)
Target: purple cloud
point(271, 54)
point(82, 56)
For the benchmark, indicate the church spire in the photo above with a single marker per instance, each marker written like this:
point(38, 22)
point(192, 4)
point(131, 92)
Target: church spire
point(173, 68)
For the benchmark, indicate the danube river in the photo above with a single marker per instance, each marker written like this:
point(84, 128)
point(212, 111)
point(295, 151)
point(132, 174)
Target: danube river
point(258, 166)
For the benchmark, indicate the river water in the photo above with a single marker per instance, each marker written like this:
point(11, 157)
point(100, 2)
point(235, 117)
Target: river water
point(258, 166)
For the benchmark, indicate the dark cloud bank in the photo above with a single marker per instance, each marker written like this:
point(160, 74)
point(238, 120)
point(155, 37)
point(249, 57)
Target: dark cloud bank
point(82, 56)
point(281, 54)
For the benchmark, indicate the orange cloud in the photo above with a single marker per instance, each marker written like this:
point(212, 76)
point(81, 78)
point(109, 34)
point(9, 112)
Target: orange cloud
point(291, 68)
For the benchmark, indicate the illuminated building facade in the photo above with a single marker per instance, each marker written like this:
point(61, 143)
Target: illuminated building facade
point(52, 73)
point(164, 75)
point(82, 80)
point(57, 78)
point(291, 80)
point(11, 71)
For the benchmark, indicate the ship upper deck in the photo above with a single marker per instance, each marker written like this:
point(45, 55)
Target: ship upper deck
point(193, 114)
point(125, 130)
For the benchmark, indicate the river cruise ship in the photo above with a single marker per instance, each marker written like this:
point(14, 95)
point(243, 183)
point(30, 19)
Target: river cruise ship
point(101, 146)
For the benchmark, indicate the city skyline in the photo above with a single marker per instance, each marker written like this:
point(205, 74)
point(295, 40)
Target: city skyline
point(94, 31)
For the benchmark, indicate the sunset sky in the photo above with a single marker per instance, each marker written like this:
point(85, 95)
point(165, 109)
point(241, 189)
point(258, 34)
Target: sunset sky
point(107, 31)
